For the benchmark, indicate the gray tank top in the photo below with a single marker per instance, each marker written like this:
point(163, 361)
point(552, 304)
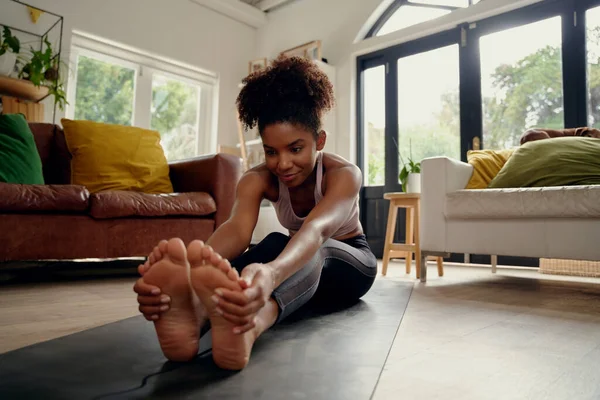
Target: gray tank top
point(288, 218)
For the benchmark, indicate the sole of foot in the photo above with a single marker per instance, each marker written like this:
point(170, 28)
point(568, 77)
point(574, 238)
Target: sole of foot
point(178, 329)
point(230, 351)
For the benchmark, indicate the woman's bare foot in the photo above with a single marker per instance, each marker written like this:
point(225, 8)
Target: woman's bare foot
point(178, 329)
point(230, 351)
point(153, 257)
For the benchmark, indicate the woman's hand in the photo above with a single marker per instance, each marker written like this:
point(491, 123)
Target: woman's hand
point(240, 308)
point(151, 302)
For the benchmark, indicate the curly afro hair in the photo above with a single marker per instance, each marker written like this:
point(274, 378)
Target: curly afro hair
point(292, 89)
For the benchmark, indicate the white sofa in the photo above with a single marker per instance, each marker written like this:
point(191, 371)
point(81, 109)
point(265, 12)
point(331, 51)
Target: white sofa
point(549, 222)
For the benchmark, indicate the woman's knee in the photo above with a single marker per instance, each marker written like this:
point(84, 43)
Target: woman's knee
point(275, 239)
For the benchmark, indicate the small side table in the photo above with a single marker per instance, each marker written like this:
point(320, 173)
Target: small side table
point(412, 203)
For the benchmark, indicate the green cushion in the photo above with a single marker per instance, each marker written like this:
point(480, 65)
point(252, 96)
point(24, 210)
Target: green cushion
point(19, 158)
point(552, 162)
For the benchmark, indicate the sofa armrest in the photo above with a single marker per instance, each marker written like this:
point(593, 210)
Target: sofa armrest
point(216, 174)
point(439, 176)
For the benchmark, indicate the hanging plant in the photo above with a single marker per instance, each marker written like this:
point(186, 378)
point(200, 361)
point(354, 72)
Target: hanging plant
point(9, 42)
point(42, 70)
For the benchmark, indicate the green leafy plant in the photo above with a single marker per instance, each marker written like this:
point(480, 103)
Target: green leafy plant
point(8, 41)
point(411, 167)
point(41, 69)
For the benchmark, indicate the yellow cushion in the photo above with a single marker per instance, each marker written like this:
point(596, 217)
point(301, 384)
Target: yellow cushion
point(486, 165)
point(115, 157)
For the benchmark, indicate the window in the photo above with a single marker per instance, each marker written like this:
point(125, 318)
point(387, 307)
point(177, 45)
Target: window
point(373, 139)
point(118, 85)
point(593, 66)
point(405, 13)
point(428, 105)
point(104, 90)
point(521, 82)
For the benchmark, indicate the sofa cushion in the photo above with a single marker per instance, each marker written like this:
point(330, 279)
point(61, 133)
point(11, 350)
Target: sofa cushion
point(545, 202)
point(552, 162)
point(52, 147)
point(116, 204)
point(116, 157)
point(17, 198)
point(486, 165)
point(20, 160)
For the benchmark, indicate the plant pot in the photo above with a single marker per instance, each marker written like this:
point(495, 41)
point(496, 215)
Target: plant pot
point(7, 63)
point(413, 184)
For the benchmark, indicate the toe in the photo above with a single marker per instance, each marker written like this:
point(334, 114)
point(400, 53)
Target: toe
point(215, 259)
point(194, 253)
point(176, 251)
point(151, 259)
point(207, 252)
point(157, 254)
point(233, 274)
point(162, 246)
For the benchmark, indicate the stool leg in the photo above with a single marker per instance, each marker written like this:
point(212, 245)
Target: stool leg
point(440, 265)
point(409, 237)
point(389, 235)
point(416, 227)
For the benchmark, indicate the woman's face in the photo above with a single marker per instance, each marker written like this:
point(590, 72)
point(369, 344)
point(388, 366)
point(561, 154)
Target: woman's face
point(291, 151)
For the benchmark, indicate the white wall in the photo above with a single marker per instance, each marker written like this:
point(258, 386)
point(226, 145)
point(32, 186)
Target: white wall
point(337, 23)
point(177, 29)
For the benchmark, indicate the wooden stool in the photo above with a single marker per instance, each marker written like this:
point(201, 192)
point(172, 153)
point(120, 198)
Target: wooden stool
point(412, 203)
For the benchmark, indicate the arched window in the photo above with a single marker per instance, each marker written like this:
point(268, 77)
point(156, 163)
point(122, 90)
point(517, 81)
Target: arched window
point(404, 13)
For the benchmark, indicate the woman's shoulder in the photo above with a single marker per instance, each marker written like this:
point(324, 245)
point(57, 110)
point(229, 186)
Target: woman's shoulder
point(333, 161)
point(263, 179)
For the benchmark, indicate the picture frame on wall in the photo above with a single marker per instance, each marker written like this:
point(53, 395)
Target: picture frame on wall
point(311, 50)
point(257, 65)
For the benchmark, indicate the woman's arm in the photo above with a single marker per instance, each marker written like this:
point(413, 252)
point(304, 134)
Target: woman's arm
point(343, 185)
point(233, 237)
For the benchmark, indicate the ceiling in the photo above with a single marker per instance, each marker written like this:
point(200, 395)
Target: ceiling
point(252, 2)
point(266, 5)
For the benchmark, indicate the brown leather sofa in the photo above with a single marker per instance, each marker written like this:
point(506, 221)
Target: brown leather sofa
point(59, 221)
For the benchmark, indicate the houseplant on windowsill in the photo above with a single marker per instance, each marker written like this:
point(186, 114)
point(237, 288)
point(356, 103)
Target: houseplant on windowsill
point(9, 48)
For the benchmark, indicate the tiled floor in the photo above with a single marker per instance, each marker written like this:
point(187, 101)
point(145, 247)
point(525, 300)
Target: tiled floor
point(468, 335)
point(513, 335)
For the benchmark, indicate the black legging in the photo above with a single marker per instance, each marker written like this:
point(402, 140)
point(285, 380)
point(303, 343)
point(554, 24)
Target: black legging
point(341, 270)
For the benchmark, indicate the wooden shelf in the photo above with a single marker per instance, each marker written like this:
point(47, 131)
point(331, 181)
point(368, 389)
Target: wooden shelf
point(22, 89)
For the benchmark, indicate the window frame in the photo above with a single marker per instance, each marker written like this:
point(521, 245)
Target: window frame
point(146, 65)
point(391, 10)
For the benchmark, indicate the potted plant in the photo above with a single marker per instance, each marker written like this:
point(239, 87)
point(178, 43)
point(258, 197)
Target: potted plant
point(9, 48)
point(42, 70)
point(410, 174)
point(410, 177)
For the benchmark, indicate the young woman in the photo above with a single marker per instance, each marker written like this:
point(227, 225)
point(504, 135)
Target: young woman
point(315, 195)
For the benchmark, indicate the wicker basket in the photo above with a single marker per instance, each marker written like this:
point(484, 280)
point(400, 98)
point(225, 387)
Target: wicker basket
point(554, 266)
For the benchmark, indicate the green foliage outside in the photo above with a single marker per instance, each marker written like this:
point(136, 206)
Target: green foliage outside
point(105, 93)
point(528, 94)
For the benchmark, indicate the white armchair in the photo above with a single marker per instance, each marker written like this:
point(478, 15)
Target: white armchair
point(550, 222)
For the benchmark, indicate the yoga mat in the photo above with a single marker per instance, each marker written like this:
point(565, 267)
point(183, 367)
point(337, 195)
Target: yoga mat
point(315, 354)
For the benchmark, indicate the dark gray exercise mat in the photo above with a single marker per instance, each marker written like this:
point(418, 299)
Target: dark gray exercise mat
point(316, 354)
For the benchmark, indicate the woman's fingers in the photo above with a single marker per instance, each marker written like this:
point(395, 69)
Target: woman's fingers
point(153, 300)
point(245, 328)
point(240, 311)
point(231, 296)
point(239, 321)
point(143, 289)
point(152, 310)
